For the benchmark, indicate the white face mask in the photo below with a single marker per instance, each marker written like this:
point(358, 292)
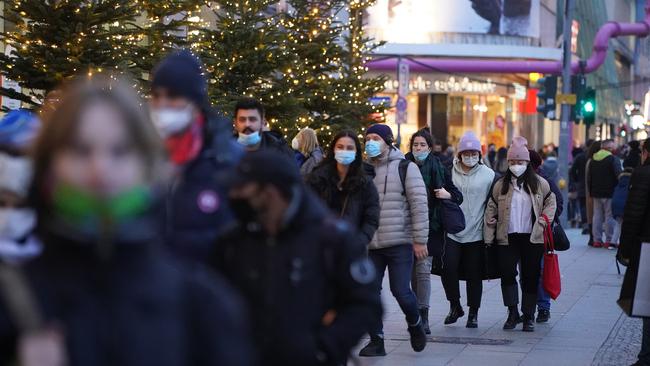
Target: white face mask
point(295, 144)
point(518, 170)
point(16, 224)
point(469, 161)
point(171, 121)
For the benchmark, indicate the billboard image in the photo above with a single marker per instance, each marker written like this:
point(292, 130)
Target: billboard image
point(418, 21)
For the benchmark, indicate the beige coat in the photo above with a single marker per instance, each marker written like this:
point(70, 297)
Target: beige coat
point(498, 207)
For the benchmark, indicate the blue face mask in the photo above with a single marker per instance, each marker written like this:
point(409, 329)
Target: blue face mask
point(373, 148)
point(249, 140)
point(345, 157)
point(421, 155)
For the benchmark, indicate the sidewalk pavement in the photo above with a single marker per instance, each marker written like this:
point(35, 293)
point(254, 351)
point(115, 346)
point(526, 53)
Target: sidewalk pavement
point(586, 326)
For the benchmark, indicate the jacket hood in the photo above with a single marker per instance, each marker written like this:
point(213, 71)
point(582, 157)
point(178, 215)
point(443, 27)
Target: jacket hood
point(601, 155)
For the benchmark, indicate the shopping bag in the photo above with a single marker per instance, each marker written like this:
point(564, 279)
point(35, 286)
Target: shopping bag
point(551, 275)
point(641, 299)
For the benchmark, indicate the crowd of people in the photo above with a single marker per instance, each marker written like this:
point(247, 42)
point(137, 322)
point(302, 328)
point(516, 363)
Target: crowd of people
point(147, 234)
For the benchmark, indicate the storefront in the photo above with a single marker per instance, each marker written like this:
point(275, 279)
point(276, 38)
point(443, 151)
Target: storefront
point(489, 105)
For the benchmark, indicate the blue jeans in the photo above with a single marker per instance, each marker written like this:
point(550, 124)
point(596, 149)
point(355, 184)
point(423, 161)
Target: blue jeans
point(399, 260)
point(543, 298)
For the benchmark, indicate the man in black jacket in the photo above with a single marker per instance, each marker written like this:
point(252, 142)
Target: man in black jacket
point(604, 170)
point(250, 123)
point(577, 177)
point(308, 284)
point(634, 231)
point(200, 147)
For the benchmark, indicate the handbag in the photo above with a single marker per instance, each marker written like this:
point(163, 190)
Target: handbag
point(552, 282)
point(453, 219)
point(560, 240)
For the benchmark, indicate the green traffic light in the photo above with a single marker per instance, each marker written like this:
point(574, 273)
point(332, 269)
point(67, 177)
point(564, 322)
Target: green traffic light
point(588, 107)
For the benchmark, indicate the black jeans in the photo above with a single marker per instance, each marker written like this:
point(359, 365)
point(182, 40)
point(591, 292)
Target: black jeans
point(520, 249)
point(469, 254)
point(644, 355)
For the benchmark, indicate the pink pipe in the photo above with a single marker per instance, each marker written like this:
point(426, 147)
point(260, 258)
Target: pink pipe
point(601, 42)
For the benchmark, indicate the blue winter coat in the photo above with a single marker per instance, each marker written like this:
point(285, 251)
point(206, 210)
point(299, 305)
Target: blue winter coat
point(620, 193)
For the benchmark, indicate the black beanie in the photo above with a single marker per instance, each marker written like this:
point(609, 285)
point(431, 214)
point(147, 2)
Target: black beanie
point(181, 73)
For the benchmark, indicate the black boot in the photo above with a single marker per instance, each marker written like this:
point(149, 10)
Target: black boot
point(424, 315)
point(472, 318)
point(513, 318)
point(418, 337)
point(528, 305)
point(543, 315)
point(375, 348)
point(455, 312)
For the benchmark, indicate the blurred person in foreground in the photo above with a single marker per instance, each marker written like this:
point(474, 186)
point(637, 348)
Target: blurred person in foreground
point(200, 147)
point(309, 287)
point(103, 292)
point(634, 231)
point(17, 131)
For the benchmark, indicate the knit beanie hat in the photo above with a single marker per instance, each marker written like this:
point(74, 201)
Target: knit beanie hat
point(383, 131)
point(181, 73)
point(469, 142)
point(519, 149)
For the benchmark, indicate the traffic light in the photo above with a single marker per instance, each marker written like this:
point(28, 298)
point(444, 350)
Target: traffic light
point(578, 87)
point(547, 89)
point(589, 106)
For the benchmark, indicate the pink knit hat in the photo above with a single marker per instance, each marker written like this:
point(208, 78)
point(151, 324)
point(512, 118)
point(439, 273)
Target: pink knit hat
point(469, 142)
point(519, 149)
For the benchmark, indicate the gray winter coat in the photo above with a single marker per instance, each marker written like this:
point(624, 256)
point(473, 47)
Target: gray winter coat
point(312, 162)
point(404, 216)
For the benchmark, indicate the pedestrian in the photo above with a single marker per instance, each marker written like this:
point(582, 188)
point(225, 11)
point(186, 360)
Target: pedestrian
point(439, 153)
point(619, 199)
point(464, 251)
point(550, 167)
point(18, 129)
point(103, 292)
point(306, 145)
point(633, 158)
point(636, 230)
point(491, 158)
point(501, 166)
point(589, 202)
point(200, 146)
point(440, 186)
point(543, 298)
point(403, 232)
point(514, 223)
point(602, 178)
point(250, 125)
point(345, 183)
point(309, 287)
point(576, 206)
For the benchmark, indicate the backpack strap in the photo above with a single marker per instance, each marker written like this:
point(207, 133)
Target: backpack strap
point(403, 170)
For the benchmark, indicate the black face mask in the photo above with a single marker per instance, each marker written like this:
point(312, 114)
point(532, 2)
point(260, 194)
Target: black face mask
point(243, 210)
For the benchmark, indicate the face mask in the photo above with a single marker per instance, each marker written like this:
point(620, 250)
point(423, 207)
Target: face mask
point(345, 157)
point(250, 139)
point(295, 144)
point(16, 224)
point(373, 148)
point(171, 121)
point(421, 155)
point(469, 161)
point(243, 210)
point(518, 170)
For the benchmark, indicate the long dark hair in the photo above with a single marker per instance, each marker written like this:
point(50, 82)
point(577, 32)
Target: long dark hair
point(528, 179)
point(356, 177)
point(425, 135)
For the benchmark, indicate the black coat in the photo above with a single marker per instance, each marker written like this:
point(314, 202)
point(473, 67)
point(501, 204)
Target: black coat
point(275, 141)
point(635, 230)
point(196, 210)
point(357, 203)
point(577, 174)
point(291, 281)
point(603, 176)
point(138, 308)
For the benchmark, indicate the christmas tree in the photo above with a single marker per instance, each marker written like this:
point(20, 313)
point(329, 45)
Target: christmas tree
point(53, 40)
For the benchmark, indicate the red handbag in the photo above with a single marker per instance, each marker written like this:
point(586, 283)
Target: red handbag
point(551, 279)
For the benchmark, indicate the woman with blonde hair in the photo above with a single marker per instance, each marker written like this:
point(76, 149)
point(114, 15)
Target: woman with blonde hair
point(103, 292)
point(308, 151)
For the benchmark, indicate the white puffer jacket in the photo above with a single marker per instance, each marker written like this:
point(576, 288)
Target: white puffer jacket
point(404, 218)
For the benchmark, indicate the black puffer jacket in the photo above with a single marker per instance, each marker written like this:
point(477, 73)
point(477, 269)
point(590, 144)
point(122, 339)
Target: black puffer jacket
point(635, 230)
point(273, 140)
point(356, 202)
point(136, 307)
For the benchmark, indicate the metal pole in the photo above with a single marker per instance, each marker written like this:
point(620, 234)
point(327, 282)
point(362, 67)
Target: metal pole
point(565, 124)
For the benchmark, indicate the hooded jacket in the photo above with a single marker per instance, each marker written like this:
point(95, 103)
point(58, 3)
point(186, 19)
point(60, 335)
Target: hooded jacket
point(403, 216)
point(550, 169)
point(475, 187)
point(604, 170)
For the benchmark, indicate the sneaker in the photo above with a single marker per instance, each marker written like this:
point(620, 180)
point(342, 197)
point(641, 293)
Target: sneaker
point(418, 338)
point(543, 315)
point(598, 244)
point(373, 349)
point(610, 246)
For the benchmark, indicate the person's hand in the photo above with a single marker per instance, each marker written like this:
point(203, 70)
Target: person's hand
point(491, 221)
point(442, 194)
point(420, 251)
